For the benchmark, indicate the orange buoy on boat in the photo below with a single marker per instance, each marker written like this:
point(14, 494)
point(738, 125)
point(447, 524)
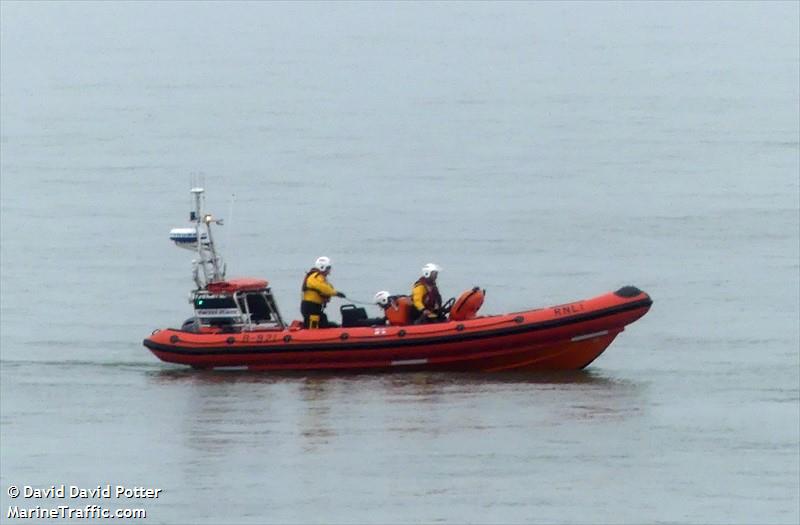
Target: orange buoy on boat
point(467, 305)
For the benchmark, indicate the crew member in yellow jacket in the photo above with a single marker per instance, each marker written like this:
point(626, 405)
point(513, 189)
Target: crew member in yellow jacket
point(317, 291)
point(426, 297)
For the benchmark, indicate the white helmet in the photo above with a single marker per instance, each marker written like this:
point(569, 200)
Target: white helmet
point(323, 263)
point(382, 298)
point(428, 269)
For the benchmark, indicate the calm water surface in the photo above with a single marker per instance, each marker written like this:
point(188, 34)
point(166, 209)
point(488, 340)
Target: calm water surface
point(547, 152)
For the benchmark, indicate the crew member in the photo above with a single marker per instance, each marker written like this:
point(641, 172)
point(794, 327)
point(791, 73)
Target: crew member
point(384, 300)
point(317, 291)
point(425, 295)
point(397, 309)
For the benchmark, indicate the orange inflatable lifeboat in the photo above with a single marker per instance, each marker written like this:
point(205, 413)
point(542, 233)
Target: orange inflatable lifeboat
point(237, 324)
point(241, 328)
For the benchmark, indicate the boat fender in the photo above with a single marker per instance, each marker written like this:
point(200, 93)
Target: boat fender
point(467, 305)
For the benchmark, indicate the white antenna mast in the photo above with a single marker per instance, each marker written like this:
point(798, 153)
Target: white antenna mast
point(208, 267)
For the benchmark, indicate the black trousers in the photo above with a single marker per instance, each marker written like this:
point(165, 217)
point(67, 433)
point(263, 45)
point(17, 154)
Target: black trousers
point(307, 308)
point(417, 317)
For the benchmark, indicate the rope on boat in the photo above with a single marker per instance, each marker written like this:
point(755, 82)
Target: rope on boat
point(365, 303)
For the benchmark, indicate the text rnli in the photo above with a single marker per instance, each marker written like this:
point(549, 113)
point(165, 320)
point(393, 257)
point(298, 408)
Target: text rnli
point(568, 309)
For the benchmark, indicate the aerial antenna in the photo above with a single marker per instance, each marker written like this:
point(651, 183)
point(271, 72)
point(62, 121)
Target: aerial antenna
point(230, 211)
point(208, 267)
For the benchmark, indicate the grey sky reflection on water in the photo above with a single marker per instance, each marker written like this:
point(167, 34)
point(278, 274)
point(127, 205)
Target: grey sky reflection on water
point(322, 404)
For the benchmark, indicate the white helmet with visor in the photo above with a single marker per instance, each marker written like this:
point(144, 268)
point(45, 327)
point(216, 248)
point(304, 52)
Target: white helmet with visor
point(382, 298)
point(323, 264)
point(429, 270)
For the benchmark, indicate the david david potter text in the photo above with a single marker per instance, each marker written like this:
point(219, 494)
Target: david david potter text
point(98, 492)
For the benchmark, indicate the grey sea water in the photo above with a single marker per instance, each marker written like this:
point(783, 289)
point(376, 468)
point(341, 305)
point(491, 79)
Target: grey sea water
point(545, 151)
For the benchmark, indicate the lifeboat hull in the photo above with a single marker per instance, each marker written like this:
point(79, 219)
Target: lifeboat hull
point(561, 337)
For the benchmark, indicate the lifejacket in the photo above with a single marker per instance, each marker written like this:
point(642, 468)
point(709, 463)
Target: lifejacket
point(320, 292)
point(431, 300)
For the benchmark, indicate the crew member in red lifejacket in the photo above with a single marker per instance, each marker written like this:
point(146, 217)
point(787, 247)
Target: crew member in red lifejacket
point(317, 291)
point(396, 308)
point(426, 297)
